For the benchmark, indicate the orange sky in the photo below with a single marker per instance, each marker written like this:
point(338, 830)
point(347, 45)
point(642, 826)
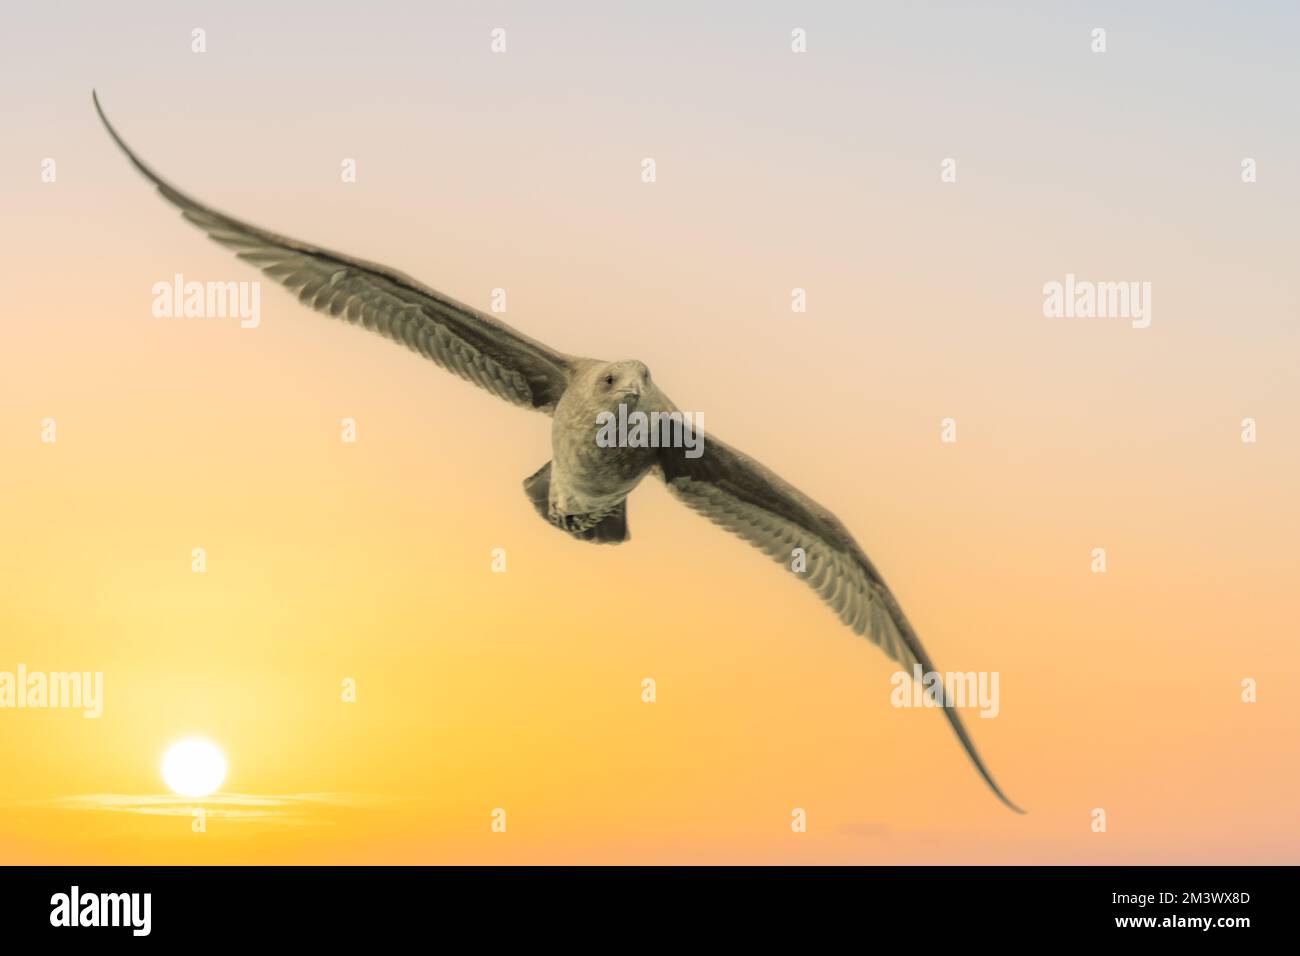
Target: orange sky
point(522, 690)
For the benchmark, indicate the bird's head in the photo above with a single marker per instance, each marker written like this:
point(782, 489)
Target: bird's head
point(622, 383)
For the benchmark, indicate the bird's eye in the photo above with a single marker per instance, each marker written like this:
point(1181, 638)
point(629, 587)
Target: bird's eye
point(609, 379)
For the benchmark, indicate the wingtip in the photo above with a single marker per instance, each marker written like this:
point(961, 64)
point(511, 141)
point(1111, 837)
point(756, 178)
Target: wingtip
point(121, 143)
point(94, 98)
point(959, 728)
point(997, 791)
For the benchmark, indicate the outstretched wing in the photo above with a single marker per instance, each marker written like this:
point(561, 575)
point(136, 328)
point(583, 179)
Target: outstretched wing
point(461, 339)
point(734, 491)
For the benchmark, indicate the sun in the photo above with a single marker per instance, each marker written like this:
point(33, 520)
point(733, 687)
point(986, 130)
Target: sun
point(193, 767)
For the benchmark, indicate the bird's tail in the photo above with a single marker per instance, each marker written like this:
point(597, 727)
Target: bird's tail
point(609, 528)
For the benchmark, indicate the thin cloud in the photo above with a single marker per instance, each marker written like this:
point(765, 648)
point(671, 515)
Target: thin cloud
point(288, 808)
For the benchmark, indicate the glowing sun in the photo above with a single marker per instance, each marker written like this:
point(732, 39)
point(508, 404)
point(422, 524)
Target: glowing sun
point(193, 767)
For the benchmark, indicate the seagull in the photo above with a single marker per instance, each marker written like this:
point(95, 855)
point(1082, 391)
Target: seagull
point(583, 490)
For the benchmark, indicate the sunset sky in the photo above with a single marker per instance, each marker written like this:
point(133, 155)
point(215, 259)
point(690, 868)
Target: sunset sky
point(372, 561)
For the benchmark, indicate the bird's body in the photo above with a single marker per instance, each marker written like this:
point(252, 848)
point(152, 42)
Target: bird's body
point(588, 481)
point(583, 490)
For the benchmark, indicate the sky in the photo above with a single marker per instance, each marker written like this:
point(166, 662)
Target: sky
point(368, 564)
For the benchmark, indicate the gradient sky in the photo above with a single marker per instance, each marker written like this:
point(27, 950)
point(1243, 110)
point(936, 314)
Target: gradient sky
point(775, 170)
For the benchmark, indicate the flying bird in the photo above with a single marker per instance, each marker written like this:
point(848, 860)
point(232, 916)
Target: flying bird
point(583, 489)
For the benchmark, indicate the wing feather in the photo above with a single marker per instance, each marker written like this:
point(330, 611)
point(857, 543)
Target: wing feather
point(463, 340)
point(739, 494)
